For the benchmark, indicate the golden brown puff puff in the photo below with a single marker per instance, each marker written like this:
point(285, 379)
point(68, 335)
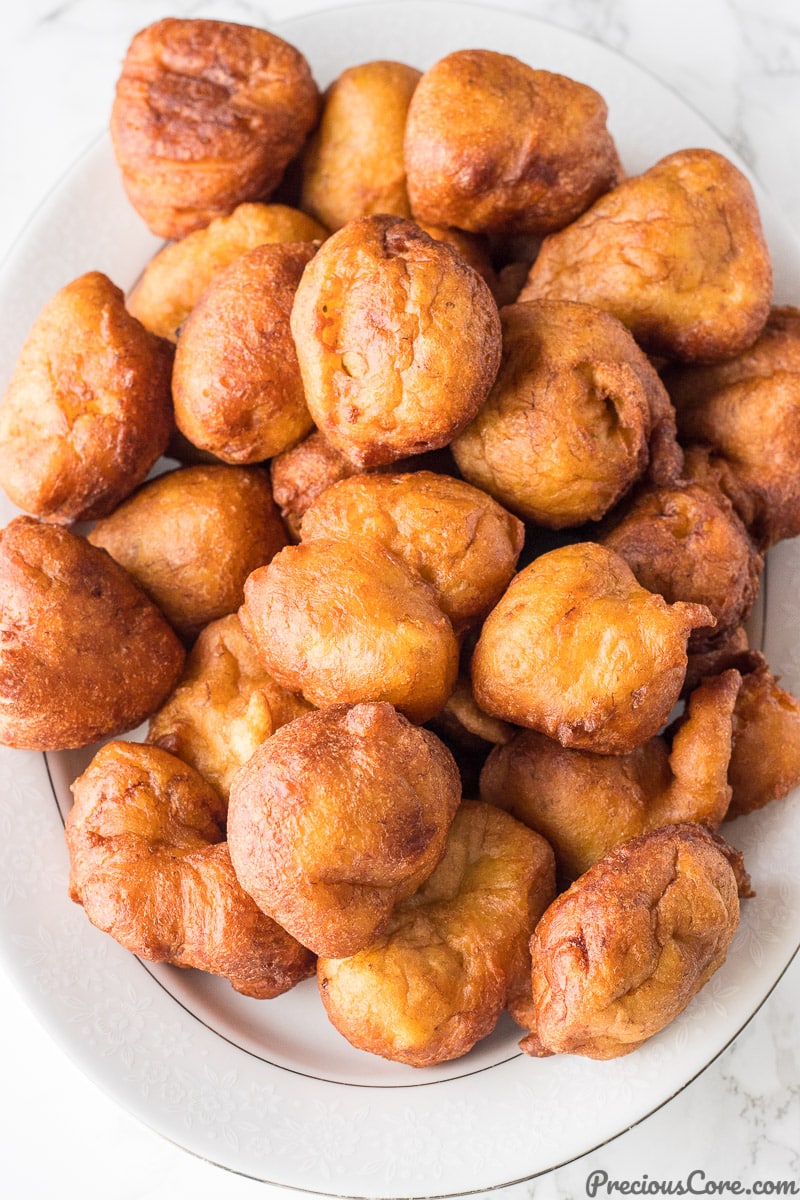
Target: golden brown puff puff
point(207, 114)
point(494, 146)
point(236, 383)
point(454, 536)
point(585, 804)
point(578, 650)
point(688, 544)
point(733, 653)
point(150, 866)
point(190, 539)
point(575, 416)
point(344, 622)
point(88, 408)
point(224, 706)
point(337, 817)
point(624, 950)
point(83, 652)
point(301, 474)
point(353, 165)
point(174, 280)
point(677, 254)
point(765, 763)
point(398, 340)
point(439, 976)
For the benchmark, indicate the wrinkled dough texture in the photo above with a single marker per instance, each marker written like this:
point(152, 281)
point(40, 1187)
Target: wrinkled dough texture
point(765, 764)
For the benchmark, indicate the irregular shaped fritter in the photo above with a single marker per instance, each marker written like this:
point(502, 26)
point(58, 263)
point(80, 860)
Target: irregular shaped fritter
point(732, 654)
point(224, 706)
point(677, 254)
point(337, 817)
point(578, 650)
point(88, 409)
point(150, 866)
point(438, 978)
point(575, 416)
point(454, 536)
point(346, 621)
point(301, 474)
point(398, 340)
point(494, 146)
point(236, 382)
point(624, 950)
point(765, 763)
point(585, 804)
point(207, 114)
point(190, 539)
point(83, 652)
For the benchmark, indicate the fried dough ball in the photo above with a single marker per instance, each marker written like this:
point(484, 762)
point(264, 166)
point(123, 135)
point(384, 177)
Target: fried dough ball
point(492, 145)
point(676, 253)
point(353, 165)
point(567, 427)
point(346, 621)
point(623, 951)
point(688, 544)
point(236, 382)
point(337, 817)
point(733, 653)
point(578, 650)
point(190, 539)
point(438, 978)
point(457, 538)
point(150, 867)
point(224, 706)
point(398, 340)
point(174, 280)
point(301, 474)
point(765, 763)
point(585, 804)
point(207, 114)
point(88, 410)
point(83, 652)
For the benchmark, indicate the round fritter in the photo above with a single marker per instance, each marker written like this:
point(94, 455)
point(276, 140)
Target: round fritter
point(88, 408)
point(456, 537)
point(765, 763)
point(353, 165)
point(676, 253)
point(191, 538)
point(337, 817)
point(567, 427)
point(623, 951)
point(83, 652)
point(150, 867)
point(207, 114)
point(585, 804)
point(236, 382)
point(398, 340)
point(174, 280)
point(492, 145)
point(346, 621)
point(578, 650)
point(688, 544)
point(224, 706)
point(439, 977)
point(301, 474)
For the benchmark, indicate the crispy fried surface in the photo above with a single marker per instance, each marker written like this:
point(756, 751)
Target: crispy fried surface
point(207, 114)
point(346, 621)
point(621, 954)
point(83, 652)
point(236, 382)
point(398, 340)
point(150, 867)
point(174, 280)
point(765, 764)
point(437, 980)
point(336, 817)
point(676, 253)
point(301, 474)
point(88, 410)
point(567, 427)
point(224, 707)
point(732, 654)
point(578, 650)
point(191, 538)
point(492, 145)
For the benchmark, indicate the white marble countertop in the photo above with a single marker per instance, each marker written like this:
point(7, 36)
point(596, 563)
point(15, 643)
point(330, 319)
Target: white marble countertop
point(738, 62)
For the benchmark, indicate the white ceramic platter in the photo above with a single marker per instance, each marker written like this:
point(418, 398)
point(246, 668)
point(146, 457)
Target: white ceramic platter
point(269, 1088)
